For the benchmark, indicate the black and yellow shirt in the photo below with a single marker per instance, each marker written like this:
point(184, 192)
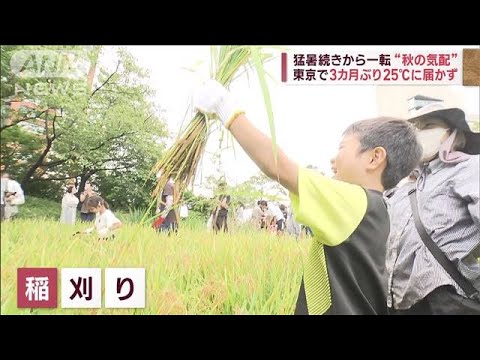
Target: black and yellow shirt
point(344, 273)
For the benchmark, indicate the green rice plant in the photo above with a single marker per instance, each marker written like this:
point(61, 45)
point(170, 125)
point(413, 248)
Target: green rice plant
point(193, 272)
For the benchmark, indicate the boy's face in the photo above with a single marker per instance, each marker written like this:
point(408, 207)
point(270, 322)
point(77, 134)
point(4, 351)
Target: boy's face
point(349, 164)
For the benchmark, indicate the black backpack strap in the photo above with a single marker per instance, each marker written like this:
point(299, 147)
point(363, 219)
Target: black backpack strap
point(449, 267)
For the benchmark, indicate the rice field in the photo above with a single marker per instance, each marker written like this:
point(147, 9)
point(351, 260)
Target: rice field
point(193, 272)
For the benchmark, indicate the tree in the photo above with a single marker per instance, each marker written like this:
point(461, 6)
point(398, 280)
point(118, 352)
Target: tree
point(18, 147)
point(112, 132)
point(199, 204)
point(267, 187)
point(35, 102)
point(124, 133)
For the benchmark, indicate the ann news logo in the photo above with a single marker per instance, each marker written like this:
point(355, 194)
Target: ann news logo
point(37, 288)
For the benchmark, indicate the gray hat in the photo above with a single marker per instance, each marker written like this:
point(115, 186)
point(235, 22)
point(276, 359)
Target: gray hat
point(455, 118)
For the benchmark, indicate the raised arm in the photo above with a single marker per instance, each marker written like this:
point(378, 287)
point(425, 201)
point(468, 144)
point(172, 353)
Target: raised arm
point(213, 99)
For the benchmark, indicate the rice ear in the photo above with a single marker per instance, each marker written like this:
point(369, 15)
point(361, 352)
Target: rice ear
point(182, 159)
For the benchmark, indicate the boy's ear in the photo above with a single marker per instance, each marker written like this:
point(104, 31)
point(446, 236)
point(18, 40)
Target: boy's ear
point(378, 157)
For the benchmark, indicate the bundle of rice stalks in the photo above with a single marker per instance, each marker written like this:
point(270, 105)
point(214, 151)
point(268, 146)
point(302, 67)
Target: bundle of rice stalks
point(182, 159)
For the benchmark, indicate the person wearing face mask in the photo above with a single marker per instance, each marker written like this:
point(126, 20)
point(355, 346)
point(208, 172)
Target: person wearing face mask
point(434, 243)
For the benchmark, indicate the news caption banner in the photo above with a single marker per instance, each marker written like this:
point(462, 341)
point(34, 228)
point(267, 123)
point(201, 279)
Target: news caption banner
point(455, 67)
point(80, 288)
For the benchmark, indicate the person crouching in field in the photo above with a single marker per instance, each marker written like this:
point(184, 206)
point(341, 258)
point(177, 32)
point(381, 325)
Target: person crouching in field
point(344, 273)
point(105, 221)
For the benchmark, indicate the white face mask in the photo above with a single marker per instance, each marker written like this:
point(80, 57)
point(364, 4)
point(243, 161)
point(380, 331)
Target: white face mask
point(431, 140)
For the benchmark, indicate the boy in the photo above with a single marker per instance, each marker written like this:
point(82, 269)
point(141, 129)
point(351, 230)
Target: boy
point(345, 270)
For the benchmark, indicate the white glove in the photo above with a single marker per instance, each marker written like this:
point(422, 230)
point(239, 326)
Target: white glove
point(103, 233)
point(213, 100)
point(88, 231)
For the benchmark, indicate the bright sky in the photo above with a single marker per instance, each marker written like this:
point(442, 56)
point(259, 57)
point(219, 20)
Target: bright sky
point(309, 120)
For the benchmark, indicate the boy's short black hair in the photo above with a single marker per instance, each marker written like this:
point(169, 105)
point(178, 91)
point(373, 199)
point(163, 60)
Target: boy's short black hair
point(397, 137)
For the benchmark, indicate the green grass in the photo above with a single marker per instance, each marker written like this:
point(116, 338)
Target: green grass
point(194, 272)
point(44, 209)
point(39, 208)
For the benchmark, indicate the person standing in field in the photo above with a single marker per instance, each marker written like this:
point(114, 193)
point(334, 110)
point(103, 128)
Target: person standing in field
point(69, 206)
point(344, 273)
point(169, 222)
point(12, 195)
point(221, 214)
point(88, 192)
point(3, 188)
point(259, 215)
point(277, 220)
point(292, 227)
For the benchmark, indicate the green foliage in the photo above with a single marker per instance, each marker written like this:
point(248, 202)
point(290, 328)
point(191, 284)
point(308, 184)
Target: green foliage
point(7, 79)
point(122, 130)
point(37, 208)
point(18, 149)
point(247, 194)
point(110, 131)
point(198, 204)
point(133, 215)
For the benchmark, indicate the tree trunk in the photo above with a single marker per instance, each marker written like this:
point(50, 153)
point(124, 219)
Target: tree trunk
point(83, 180)
point(37, 164)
